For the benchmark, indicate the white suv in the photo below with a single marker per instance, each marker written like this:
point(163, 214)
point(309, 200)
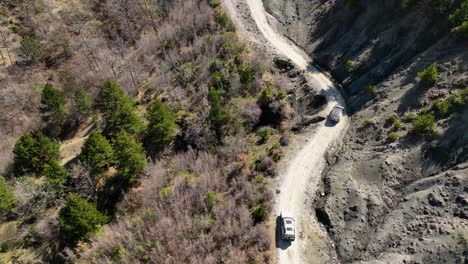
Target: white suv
point(336, 113)
point(288, 229)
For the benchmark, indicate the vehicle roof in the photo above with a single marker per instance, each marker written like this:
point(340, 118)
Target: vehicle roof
point(288, 232)
point(289, 228)
point(290, 224)
point(336, 113)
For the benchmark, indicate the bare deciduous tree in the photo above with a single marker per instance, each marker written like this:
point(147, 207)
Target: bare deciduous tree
point(207, 229)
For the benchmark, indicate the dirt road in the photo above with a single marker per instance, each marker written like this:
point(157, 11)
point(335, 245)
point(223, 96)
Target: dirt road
point(300, 180)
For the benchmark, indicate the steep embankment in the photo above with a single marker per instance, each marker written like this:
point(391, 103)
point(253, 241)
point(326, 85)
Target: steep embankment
point(396, 193)
point(303, 172)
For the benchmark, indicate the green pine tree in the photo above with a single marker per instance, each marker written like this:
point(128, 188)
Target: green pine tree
point(79, 219)
point(217, 115)
point(118, 110)
point(32, 152)
point(129, 156)
point(53, 102)
point(97, 153)
point(110, 99)
point(124, 120)
point(83, 103)
point(7, 197)
point(160, 130)
point(55, 173)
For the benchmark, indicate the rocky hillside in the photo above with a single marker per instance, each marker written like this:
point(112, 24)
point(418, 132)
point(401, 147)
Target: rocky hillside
point(396, 191)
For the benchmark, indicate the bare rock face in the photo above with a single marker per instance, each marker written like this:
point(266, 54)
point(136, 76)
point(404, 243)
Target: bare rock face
point(294, 73)
point(434, 200)
point(389, 202)
point(284, 65)
point(305, 101)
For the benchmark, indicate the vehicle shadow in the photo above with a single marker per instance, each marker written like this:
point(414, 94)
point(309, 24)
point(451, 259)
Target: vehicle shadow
point(280, 243)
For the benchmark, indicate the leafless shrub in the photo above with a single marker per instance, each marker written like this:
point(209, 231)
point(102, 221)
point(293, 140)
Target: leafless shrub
point(47, 229)
point(33, 197)
point(284, 141)
point(251, 114)
point(193, 133)
point(80, 181)
point(155, 180)
point(268, 166)
point(6, 159)
point(182, 219)
point(119, 14)
point(233, 146)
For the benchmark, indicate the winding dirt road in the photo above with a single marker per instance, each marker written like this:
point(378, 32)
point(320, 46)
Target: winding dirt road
point(300, 180)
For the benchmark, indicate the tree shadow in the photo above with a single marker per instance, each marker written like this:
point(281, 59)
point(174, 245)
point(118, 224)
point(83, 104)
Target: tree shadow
point(111, 194)
point(74, 160)
point(410, 140)
point(410, 99)
point(452, 145)
point(280, 243)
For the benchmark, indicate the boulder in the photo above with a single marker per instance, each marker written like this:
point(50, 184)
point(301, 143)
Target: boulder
point(434, 201)
point(284, 65)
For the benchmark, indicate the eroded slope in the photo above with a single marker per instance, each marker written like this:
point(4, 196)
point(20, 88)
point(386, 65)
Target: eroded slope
point(393, 194)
